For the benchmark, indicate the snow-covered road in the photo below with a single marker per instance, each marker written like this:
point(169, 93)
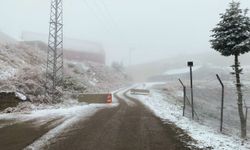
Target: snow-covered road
point(126, 118)
point(19, 130)
point(125, 124)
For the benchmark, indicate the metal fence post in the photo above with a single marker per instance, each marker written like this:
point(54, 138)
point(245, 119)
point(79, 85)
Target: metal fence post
point(222, 102)
point(184, 96)
point(190, 65)
point(246, 114)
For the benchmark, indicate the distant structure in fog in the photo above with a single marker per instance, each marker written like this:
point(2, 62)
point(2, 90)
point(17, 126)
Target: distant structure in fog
point(84, 56)
point(74, 49)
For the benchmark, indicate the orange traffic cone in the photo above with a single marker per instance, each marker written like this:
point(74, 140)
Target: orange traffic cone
point(109, 98)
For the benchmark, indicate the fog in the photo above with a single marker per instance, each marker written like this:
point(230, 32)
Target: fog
point(148, 29)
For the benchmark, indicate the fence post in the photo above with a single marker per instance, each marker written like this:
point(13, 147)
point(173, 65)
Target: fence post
point(246, 113)
point(222, 102)
point(184, 96)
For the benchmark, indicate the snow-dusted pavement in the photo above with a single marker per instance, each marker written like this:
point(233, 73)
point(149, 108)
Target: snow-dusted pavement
point(132, 122)
point(126, 124)
point(34, 129)
point(130, 126)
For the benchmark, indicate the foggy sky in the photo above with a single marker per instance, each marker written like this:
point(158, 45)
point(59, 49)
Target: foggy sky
point(153, 29)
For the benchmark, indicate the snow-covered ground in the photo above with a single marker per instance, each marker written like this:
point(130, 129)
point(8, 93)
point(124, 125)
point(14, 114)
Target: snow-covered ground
point(7, 72)
point(206, 137)
point(180, 71)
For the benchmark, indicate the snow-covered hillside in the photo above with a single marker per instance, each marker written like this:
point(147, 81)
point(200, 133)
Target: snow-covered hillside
point(205, 72)
point(145, 72)
point(180, 71)
point(23, 67)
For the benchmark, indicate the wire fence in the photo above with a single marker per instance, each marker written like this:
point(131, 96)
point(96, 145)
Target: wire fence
point(207, 103)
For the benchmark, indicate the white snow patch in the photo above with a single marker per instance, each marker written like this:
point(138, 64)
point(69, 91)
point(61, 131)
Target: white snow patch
point(21, 96)
point(84, 67)
point(180, 71)
point(127, 101)
point(148, 85)
point(179, 93)
point(92, 83)
point(205, 136)
point(7, 72)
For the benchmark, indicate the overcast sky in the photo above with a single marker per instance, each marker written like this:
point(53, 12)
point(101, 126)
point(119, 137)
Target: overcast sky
point(154, 29)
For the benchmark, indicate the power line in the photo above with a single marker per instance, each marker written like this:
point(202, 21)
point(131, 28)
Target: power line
point(113, 21)
point(108, 13)
point(103, 13)
point(103, 25)
point(104, 17)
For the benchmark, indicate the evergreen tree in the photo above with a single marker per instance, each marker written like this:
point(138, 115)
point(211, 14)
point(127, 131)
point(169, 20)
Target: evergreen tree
point(231, 37)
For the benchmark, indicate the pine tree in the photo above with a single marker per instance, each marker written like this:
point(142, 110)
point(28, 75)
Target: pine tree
point(231, 37)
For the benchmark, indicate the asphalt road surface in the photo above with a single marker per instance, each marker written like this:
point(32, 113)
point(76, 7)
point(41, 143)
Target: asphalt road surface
point(129, 126)
point(126, 127)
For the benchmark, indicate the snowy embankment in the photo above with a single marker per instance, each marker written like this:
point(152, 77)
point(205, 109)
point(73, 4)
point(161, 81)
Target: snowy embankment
point(205, 136)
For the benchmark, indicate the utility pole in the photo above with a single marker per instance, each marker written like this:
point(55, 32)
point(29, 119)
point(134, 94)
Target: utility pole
point(54, 71)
